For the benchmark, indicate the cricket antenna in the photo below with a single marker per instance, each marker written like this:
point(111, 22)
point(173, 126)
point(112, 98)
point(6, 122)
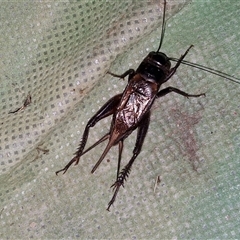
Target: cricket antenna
point(208, 69)
point(163, 26)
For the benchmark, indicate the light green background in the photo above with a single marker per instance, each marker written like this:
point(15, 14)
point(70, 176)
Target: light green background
point(59, 52)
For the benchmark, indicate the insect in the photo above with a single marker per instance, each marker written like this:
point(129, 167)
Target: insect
point(27, 101)
point(130, 110)
point(157, 181)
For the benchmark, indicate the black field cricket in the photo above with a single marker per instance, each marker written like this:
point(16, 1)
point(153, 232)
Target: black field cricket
point(131, 109)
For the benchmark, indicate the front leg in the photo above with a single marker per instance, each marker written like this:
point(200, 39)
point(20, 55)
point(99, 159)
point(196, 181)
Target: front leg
point(129, 72)
point(107, 109)
point(174, 69)
point(121, 178)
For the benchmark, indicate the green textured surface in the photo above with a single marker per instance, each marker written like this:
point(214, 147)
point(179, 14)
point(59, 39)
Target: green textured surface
point(59, 52)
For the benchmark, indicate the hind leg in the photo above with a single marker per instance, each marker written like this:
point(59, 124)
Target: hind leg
point(122, 176)
point(106, 110)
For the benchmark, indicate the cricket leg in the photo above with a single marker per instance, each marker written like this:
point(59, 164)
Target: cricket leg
point(107, 109)
point(122, 176)
point(129, 72)
point(120, 146)
point(167, 90)
point(174, 69)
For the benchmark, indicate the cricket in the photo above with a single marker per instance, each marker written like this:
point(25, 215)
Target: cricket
point(131, 109)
